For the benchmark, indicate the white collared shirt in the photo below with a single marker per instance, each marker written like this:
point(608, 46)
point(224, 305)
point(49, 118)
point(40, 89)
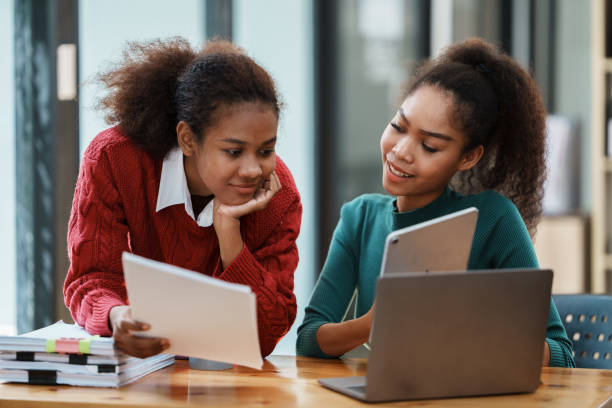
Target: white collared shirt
point(173, 189)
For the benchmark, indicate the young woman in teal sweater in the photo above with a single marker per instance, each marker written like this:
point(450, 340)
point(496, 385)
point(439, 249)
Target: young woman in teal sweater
point(471, 132)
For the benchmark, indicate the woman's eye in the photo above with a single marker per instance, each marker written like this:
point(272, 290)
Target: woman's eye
point(429, 148)
point(396, 127)
point(233, 152)
point(266, 152)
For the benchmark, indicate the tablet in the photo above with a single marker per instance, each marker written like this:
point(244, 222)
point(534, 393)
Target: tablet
point(440, 244)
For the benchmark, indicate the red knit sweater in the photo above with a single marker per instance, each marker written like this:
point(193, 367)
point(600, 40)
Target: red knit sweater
point(114, 211)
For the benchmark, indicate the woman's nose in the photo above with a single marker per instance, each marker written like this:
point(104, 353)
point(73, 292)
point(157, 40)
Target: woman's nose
point(404, 150)
point(250, 168)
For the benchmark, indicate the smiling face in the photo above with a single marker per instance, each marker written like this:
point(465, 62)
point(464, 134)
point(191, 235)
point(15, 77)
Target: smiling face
point(422, 150)
point(235, 156)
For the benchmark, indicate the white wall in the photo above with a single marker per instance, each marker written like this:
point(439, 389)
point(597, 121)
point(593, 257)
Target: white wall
point(278, 35)
point(104, 29)
point(7, 170)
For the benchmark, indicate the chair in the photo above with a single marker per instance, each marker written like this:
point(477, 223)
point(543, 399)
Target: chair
point(587, 320)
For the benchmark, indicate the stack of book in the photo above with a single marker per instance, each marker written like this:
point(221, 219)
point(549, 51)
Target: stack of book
point(66, 354)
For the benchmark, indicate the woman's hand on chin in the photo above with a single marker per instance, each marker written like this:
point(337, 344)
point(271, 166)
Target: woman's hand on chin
point(226, 219)
point(260, 200)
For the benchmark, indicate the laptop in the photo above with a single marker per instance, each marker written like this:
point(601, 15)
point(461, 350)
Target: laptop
point(440, 244)
point(454, 334)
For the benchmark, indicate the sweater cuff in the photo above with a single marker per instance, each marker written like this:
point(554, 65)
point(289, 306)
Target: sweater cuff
point(243, 269)
point(557, 356)
point(307, 342)
point(99, 322)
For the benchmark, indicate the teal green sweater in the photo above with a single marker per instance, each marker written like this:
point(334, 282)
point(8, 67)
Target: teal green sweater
point(353, 263)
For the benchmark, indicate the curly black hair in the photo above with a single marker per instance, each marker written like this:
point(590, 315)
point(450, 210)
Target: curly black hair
point(497, 105)
point(161, 82)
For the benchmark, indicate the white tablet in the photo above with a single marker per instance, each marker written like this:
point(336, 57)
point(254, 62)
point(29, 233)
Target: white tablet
point(201, 316)
point(440, 244)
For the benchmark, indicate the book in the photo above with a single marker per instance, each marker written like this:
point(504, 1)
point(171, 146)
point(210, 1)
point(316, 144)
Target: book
point(132, 363)
point(115, 359)
point(59, 337)
point(66, 354)
point(58, 377)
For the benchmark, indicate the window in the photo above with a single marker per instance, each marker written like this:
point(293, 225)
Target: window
point(366, 51)
point(278, 35)
point(106, 27)
point(7, 169)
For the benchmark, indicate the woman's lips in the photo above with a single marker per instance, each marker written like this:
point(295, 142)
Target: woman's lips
point(397, 172)
point(244, 188)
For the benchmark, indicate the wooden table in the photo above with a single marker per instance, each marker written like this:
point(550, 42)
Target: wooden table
point(290, 381)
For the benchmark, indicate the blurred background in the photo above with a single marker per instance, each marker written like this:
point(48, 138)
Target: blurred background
point(339, 66)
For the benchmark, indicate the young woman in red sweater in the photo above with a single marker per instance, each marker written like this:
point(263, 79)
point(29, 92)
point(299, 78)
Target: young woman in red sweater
point(188, 176)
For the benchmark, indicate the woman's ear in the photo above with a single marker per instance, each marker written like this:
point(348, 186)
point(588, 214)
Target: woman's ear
point(471, 158)
point(186, 139)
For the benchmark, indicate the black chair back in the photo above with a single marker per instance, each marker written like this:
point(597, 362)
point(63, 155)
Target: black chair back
point(588, 322)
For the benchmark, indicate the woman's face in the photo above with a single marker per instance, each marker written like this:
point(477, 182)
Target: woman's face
point(236, 154)
point(422, 150)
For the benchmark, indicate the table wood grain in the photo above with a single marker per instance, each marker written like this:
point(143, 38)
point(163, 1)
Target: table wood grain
point(287, 381)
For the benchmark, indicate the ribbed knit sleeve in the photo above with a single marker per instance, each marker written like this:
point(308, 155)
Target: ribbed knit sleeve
point(509, 246)
point(97, 235)
point(269, 270)
point(559, 344)
point(335, 286)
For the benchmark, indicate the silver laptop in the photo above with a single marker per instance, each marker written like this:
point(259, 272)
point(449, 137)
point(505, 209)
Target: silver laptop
point(440, 244)
point(454, 334)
